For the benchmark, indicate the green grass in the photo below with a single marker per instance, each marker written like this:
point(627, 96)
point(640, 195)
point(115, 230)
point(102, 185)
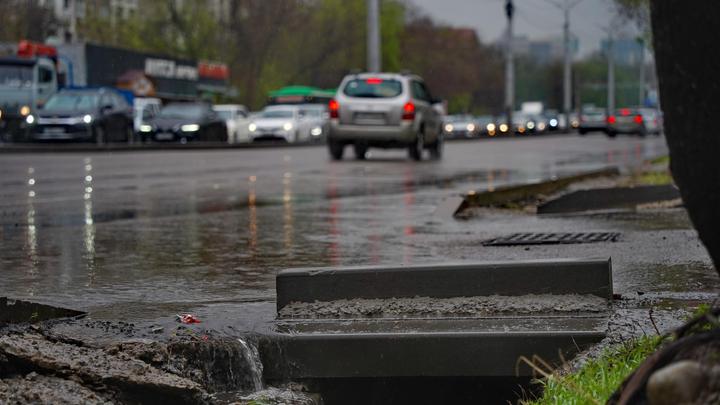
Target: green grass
point(654, 178)
point(598, 378)
point(662, 159)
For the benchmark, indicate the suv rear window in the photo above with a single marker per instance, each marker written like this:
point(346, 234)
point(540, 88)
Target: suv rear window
point(373, 88)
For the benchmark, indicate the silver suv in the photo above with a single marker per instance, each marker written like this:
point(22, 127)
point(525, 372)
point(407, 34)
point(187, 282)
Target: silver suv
point(385, 110)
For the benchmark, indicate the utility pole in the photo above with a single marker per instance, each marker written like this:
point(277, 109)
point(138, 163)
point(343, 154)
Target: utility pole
point(373, 36)
point(611, 73)
point(641, 79)
point(566, 6)
point(567, 93)
point(509, 66)
point(73, 21)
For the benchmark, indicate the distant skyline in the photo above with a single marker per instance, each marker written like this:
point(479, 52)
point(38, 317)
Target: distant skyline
point(537, 19)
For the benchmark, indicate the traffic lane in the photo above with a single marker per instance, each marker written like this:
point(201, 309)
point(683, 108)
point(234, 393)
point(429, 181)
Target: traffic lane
point(193, 174)
point(134, 234)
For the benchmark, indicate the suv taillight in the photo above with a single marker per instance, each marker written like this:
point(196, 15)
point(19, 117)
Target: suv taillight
point(638, 119)
point(334, 108)
point(611, 119)
point(408, 111)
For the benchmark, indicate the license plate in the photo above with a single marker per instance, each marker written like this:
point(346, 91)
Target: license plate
point(54, 130)
point(164, 136)
point(370, 118)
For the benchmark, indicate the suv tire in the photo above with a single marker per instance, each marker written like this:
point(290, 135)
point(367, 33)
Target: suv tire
point(360, 151)
point(436, 149)
point(336, 150)
point(415, 149)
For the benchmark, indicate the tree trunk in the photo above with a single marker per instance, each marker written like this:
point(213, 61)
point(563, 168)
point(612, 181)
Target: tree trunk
point(688, 67)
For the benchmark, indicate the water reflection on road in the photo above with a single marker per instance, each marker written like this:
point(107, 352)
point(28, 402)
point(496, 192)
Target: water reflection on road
point(148, 230)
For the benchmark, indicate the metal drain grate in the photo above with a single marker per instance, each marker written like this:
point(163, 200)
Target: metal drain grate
point(552, 238)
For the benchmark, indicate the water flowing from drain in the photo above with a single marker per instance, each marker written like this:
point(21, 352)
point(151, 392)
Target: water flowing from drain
point(252, 356)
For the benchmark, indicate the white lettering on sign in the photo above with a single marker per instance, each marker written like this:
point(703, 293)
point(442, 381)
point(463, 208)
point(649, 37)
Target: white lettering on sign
point(169, 69)
point(186, 72)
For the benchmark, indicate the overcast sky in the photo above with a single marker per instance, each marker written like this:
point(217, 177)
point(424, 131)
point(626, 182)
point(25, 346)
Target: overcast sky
point(538, 19)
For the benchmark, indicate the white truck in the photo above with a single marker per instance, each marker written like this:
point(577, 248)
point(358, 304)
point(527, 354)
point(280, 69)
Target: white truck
point(26, 82)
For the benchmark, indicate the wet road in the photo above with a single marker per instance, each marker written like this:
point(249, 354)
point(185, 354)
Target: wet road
point(145, 235)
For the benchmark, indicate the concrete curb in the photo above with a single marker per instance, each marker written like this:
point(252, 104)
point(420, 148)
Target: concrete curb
point(507, 194)
point(567, 276)
point(608, 198)
point(418, 353)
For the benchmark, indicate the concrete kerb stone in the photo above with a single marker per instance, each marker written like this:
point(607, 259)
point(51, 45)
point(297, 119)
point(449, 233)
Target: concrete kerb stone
point(514, 193)
point(564, 276)
point(432, 346)
point(608, 199)
point(477, 354)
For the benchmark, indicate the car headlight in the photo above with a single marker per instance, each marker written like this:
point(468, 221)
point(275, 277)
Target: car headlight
point(288, 126)
point(553, 122)
point(146, 128)
point(25, 110)
point(530, 125)
point(87, 118)
point(471, 127)
point(252, 127)
point(0, 114)
point(541, 126)
point(190, 127)
point(30, 119)
point(449, 128)
point(317, 131)
point(503, 128)
point(490, 127)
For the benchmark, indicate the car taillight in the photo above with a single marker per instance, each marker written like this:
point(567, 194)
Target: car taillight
point(408, 111)
point(625, 111)
point(334, 109)
point(611, 119)
point(638, 119)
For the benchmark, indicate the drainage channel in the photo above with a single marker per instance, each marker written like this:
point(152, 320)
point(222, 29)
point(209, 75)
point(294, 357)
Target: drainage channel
point(433, 334)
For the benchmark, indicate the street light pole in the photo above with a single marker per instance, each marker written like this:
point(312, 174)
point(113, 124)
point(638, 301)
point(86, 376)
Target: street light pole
point(641, 79)
point(566, 6)
point(373, 35)
point(509, 66)
point(567, 73)
point(611, 73)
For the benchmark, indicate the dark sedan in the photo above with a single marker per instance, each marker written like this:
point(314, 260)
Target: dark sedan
point(185, 122)
point(98, 115)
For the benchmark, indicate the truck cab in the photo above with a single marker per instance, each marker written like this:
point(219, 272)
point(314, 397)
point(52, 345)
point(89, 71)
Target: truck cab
point(26, 82)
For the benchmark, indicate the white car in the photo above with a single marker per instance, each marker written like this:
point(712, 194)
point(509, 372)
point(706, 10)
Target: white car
point(280, 123)
point(144, 109)
point(315, 120)
point(236, 119)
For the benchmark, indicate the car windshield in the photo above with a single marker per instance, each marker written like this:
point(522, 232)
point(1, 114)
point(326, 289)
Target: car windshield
point(373, 88)
point(72, 102)
point(16, 76)
point(225, 114)
point(277, 114)
point(312, 113)
point(182, 111)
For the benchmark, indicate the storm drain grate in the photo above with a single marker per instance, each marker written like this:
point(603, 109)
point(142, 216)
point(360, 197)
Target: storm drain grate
point(552, 238)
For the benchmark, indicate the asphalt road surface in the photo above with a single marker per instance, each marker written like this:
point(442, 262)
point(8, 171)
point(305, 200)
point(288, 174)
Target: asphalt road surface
point(147, 234)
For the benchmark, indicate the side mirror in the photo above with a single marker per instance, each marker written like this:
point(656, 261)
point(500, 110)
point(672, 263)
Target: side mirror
point(106, 108)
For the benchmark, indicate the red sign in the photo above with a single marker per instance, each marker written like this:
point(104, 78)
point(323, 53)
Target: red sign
point(211, 70)
point(29, 49)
